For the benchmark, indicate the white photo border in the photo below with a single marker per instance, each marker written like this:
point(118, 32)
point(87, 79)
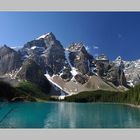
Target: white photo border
point(69, 5)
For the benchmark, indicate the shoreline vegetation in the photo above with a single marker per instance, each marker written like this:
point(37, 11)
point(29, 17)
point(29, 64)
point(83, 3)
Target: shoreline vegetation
point(130, 97)
point(27, 91)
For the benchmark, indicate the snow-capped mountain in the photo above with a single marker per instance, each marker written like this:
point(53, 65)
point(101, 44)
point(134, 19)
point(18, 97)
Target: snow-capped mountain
point(131, 70)
point(69, 70)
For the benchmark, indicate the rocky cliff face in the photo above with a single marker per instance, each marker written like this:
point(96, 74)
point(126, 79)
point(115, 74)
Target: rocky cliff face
point(54, 55)
point(69, 70)
point(131, 71)
point(80, 58)
point(32, 72)
point(31, 48)
point(9, 60)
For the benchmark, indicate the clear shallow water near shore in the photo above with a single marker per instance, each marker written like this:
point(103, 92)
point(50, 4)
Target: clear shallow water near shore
point(68, 115)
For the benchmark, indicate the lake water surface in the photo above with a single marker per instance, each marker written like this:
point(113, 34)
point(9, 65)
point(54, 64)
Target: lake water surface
point(68, 115)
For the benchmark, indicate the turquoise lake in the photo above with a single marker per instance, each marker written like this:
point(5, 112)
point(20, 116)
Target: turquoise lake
point(68, 115)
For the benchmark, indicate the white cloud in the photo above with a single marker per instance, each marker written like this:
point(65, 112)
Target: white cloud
point(13, 47)
point(87, 48)
point(120, 35)
point(95, 47)
point(16, 47)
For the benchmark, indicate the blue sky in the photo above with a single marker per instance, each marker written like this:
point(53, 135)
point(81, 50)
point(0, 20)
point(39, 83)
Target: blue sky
point(102, 32)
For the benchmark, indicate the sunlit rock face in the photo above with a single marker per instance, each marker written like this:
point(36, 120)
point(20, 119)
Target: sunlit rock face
point(9, 60)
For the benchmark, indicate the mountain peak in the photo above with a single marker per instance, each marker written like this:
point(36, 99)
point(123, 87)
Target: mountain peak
point(50, 34)
point(102, 57)
point(5, 48)
point(119, 62)
point(74, 47)
point(119, 58)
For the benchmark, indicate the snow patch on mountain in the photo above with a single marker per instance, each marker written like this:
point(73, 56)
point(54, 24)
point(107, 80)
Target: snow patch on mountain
point(67, 57)
point(50, 78)
point(131, 70)
point(34, 47)
point(118, 61)
point(42, 36)
point(73, 69)
point(56, 86)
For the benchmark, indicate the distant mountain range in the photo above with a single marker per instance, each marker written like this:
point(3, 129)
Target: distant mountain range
point(69, 70)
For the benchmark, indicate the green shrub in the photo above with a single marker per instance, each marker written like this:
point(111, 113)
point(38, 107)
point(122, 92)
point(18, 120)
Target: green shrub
point(32, 90)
